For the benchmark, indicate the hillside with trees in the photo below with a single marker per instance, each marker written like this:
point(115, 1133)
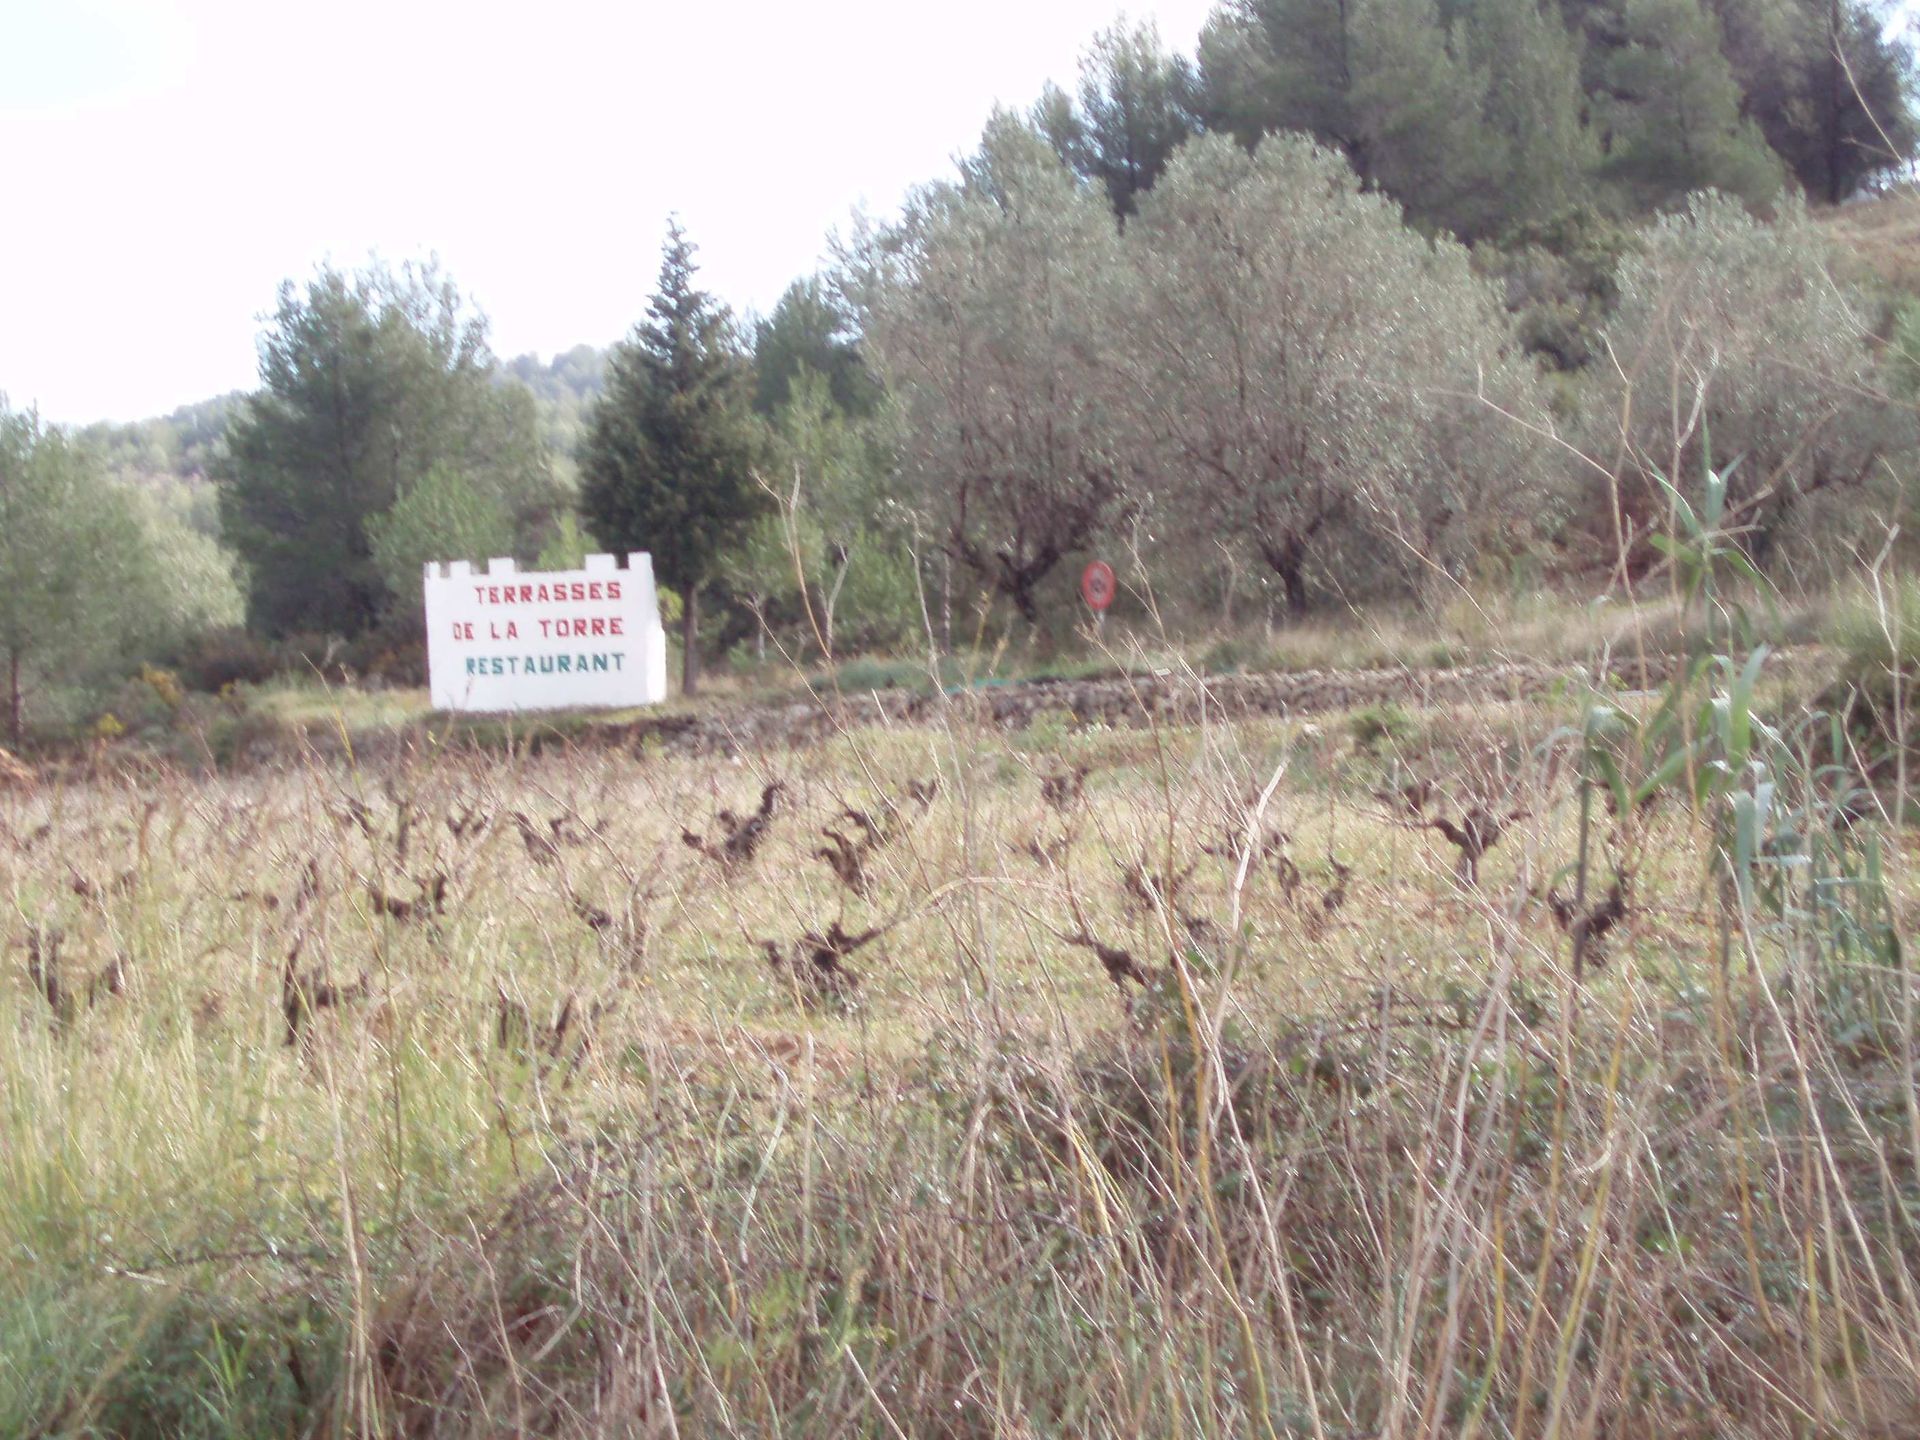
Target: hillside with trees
point(96, 577)
point(1290, 810)
point(1354, 304)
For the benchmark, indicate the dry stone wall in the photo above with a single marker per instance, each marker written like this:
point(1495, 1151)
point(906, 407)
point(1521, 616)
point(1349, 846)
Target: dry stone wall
point(1167, 698)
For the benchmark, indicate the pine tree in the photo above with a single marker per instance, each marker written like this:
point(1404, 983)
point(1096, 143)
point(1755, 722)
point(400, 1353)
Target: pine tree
point(1416, 107)
point(668, 461)
point(1271, 65)
point(810, 332)
point(1534, 105)
point(1384, 81)
point(1674, 112)
point(1827, 87)
point(367, 382)
point(1136, 108)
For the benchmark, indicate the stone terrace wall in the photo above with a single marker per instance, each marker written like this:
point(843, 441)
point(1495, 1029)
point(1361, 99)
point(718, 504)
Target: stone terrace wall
point(1129, 701)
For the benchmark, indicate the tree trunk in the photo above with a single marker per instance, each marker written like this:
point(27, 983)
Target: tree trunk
point(946, 603)
point(1020, 591)
point(1287, 558)
point(1296, 586)
point(843, 562)
point(15, 714)
point(690, 641)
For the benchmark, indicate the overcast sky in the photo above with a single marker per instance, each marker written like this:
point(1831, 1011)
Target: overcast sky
point(166, 163)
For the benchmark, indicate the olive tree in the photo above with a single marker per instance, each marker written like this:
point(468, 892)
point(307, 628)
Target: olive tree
point(987, 311)
point(833, 553)
point(1734, 346)
point(1317, 380)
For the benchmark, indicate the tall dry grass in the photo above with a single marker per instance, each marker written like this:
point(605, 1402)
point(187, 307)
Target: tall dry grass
point(1344, 1147)
point(1539, 1071)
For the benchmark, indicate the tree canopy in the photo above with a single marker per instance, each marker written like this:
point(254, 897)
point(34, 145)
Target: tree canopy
point(668, 462)
point(989, 310)
point(369, 382)
point(1479, 115)
point(89, 574)
point(1136, 106)
point(811, 332)
point(1317, 383)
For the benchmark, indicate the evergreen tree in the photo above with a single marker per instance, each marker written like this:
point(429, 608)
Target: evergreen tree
point(367, 383)
point(1383, 81)
point(1136, 107)
point(811, 331)
point(1417, 108)
point(668, 461)
point(1829, 89)
point(1479, 115)
point(1673, 112)
point(1534, 107)
point(1271, 65)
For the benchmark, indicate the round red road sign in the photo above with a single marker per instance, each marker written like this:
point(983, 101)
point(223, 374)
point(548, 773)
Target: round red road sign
point(1096, 585)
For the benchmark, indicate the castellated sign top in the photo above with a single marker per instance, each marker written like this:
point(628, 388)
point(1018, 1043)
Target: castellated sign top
point(546, 640)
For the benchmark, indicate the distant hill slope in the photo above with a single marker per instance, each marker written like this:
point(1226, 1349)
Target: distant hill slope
point(171, 455)
point(180, 444)
point(563, 388)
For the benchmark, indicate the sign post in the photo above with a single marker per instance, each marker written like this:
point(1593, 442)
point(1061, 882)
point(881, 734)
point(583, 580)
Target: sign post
point(1096, 588)
point(545, 640)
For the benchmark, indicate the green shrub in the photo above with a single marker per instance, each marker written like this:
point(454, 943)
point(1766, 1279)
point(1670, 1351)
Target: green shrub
point(1381, 724)
point(1232, 654)
point(215, 659)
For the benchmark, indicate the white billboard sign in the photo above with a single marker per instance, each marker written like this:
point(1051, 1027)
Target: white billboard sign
point(546, 640)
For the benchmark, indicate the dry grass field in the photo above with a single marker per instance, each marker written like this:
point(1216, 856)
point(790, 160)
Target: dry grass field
point(939, 1081)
